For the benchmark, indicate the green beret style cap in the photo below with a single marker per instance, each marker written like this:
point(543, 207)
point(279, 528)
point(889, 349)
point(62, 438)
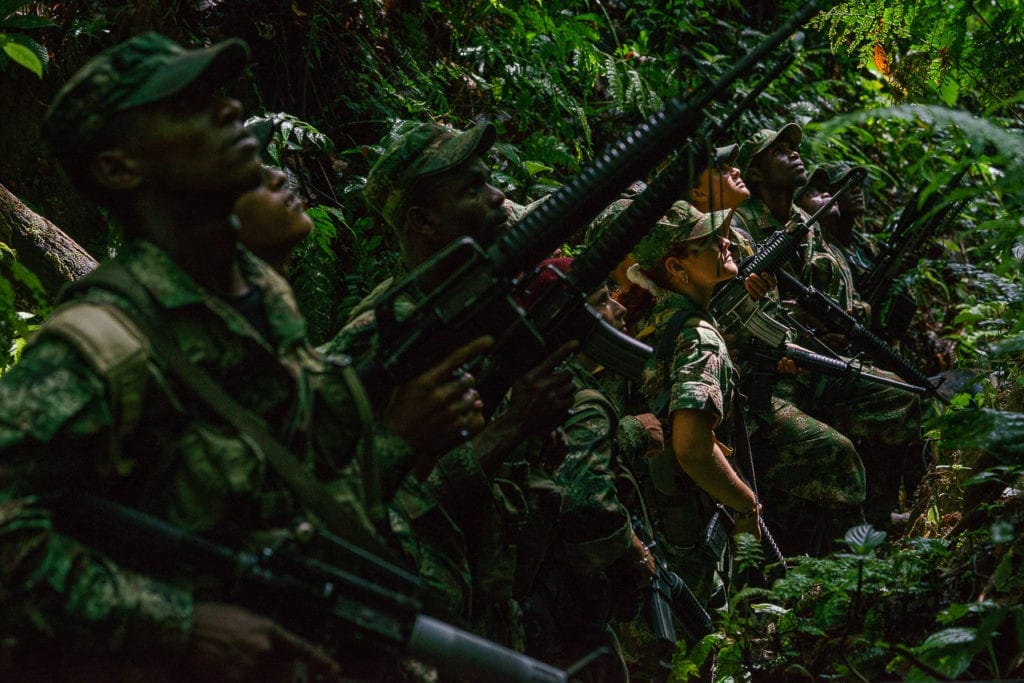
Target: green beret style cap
point(765, 138)
point(426, 150)
point(682, 223)
point(142, 70)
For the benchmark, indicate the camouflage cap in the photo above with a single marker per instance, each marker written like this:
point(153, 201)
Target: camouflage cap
point(838, 171)
point(428, 149)
point(682, 223)
point(765, 138)
point(612, 211)
point(142, 70)
point(819, 179)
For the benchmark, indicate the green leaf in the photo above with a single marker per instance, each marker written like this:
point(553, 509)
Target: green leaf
point(998, 432)
point(26, 21)
point(1009, 346)
point(949, 92)
point(533, 168)
point(1002, 532)
point(25, 57)
point(863, 539)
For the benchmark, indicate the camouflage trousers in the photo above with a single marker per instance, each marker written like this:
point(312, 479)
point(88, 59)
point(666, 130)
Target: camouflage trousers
point(810, 477)
point(883, 422)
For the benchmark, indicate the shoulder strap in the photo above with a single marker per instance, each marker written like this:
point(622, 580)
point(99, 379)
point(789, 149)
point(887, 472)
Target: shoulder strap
point(665, 348)
point(114, 348)
point(348, 521)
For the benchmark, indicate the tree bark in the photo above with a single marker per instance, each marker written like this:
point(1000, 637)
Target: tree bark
point(42, 247)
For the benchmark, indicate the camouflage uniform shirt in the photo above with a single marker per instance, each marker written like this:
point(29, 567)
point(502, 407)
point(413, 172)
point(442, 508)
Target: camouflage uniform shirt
point(58, 431)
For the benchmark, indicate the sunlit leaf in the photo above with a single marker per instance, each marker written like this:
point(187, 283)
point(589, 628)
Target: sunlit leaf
point(25, 57)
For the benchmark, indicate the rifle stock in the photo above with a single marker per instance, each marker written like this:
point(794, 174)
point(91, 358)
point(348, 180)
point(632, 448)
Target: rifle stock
point(364, 603)
point(481, 297)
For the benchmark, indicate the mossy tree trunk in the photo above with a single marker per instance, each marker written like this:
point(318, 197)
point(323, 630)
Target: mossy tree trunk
point(44, 248)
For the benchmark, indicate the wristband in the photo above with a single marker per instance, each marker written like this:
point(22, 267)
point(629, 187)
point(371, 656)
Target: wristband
point(754, 512)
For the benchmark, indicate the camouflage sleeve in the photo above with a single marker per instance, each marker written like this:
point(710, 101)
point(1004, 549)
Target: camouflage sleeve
point(595, 525)
point(696, 373)
point(53, 435)
point(632, 439)
point(457, 481)
point(824, 274)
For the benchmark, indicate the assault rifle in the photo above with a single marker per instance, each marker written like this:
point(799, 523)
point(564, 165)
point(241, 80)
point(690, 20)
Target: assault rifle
point(916, 222)
point(816, 362)
point(668, 596)
point(815, 302)
point(371, 604)
point(731, 304)
point(468, 289)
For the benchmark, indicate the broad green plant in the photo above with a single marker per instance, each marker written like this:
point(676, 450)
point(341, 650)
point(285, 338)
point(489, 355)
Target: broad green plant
point(18, 47)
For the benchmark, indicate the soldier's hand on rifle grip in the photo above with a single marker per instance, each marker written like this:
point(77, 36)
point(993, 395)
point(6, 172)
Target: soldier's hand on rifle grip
point(439, 409)
point(230, 643)
point(541, 398)
point(787, 367)
point(758, 285)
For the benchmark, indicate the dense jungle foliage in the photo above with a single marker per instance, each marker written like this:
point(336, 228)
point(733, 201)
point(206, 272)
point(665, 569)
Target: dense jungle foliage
point(913, 90)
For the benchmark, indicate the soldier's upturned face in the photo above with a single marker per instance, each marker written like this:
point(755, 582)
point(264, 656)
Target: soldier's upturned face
point(781, 166)
point(611, 310)
point(466, 204)
point(725, 188)
point(815, 198)
point(195, 144)
point(710, 261)
point(272, 217)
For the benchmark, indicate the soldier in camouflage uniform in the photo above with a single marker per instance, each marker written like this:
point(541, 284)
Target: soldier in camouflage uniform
point(91, 408)
point(691, 387)
point(848, 233)
point(431, 186)
point(881, 420)
point(828, 269)
point(812, 479)
point(895, 461)
point(597, 566)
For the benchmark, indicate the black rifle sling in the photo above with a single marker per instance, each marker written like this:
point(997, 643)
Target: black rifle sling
point(349, 522)
point(663, 352)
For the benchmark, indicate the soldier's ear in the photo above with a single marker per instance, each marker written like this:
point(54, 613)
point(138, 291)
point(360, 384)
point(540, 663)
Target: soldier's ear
point(115, 169)
point(698, 194)
point(421, 220)
point(674, 267)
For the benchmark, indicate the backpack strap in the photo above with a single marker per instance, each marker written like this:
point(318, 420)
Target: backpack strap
point(664, 350)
